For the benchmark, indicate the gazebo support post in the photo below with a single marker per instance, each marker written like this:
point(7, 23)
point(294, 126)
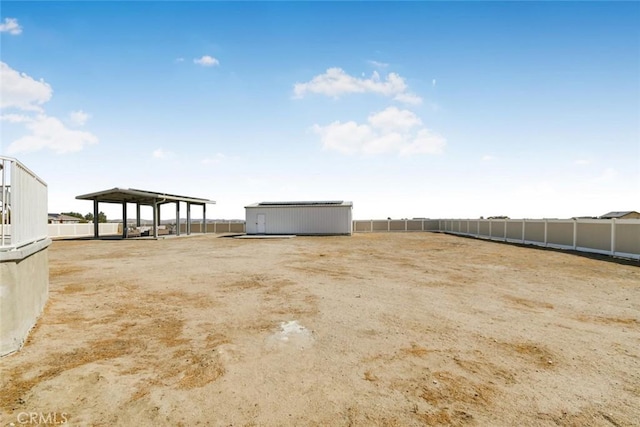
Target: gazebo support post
point(124, 220)
point(96, 228)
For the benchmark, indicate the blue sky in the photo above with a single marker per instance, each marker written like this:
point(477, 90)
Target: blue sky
point(416, 109)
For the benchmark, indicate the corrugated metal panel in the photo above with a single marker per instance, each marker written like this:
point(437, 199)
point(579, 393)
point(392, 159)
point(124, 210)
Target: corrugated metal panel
point(316, 203)
point(301, 219)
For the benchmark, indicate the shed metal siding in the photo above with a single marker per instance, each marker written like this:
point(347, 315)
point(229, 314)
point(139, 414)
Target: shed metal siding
point(309, 220)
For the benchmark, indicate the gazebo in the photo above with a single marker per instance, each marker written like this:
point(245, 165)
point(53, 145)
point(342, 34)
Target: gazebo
point(145, 198)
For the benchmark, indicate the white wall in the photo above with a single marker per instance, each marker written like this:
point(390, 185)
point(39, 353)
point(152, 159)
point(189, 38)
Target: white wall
point(302, 220)
point(81, 230)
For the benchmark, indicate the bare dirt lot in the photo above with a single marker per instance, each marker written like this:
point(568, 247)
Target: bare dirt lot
point(374, 329)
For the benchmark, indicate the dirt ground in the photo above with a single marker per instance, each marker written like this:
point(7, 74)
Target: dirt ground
point(370, 330)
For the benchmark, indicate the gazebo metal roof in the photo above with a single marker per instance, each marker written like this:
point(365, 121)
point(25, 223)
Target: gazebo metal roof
point(132, 195)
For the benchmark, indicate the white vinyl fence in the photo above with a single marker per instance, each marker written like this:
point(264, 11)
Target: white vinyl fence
point(382, 225)
point(619, 238)
point(112, 228)
point(602, 236)
point(230, 226)
point(82, 230)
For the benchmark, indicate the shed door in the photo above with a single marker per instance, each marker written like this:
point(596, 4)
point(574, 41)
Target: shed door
point(261, 225)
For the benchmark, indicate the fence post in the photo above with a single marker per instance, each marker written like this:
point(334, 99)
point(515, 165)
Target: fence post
point(575, 234)
point(613, 236)
point(505, 230)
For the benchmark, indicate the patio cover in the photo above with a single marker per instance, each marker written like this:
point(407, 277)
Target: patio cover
point(144, 197)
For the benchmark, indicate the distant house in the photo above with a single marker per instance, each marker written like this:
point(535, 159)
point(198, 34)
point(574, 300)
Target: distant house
point(55, 218)
point(621, 215)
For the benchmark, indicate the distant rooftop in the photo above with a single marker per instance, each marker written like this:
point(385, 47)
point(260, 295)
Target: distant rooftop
point(63, 217)
point(618, 214)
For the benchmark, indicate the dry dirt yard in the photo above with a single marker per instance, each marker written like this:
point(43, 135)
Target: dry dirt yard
point(370, 330)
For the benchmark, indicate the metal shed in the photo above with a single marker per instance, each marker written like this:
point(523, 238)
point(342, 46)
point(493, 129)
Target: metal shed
point(333, 217)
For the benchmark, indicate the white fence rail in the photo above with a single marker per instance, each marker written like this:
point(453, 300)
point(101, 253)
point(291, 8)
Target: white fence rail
point(82, 230)
point(112, 228)
point(389, 225)
point(231, 226)
point(24, 205)
point(602, 236)
point(619, 238)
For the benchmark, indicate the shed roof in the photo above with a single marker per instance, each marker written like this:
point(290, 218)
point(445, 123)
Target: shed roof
point(132, 195)
point(318, 203)
point(616, 214)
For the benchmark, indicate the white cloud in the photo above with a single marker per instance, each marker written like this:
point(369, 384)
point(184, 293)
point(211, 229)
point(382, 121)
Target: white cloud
point(408, 98)
point(488, 158)
point(22, 92)
point(50, 133)
point(582, 162)
point(161, 153)
point(433, 82)
point(387, 131)
point(179, 59)
point(336, 82)
point(18, 90)
point(347, 138)
point(15, 118)
point(11, 26)
point(206, 61)
point(378, 64)
point(425, 142)
point(394, 119)
point(78, 118)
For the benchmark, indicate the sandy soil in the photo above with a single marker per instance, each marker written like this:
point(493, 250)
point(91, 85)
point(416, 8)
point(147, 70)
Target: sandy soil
point(374, 329)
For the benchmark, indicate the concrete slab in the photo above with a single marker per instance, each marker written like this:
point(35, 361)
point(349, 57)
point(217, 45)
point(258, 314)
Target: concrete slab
point(265, 236)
